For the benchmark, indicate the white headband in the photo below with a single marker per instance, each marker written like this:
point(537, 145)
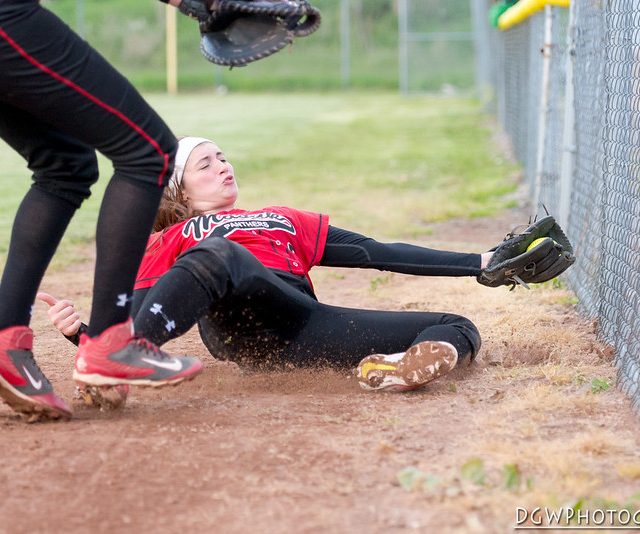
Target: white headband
point(185, 147)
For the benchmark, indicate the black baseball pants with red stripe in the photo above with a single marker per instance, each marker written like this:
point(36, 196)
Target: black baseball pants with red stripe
point(59, 102)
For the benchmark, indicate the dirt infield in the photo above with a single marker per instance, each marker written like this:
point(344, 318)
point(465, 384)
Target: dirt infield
point(531, 423)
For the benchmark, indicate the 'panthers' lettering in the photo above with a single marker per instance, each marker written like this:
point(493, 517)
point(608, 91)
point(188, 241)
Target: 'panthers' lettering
point(223, 225)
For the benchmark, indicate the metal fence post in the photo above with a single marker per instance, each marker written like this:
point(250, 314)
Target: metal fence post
point(171, 49)
point(345, 42)
point(544, 103)
point(80, 18)
point(480, 34)
point(569, 132)
point(403, 47)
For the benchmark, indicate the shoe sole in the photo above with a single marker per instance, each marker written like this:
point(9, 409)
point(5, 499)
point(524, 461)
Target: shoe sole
point(105, 398)
point(23, 404)
point(419, 365)
point(99, 380)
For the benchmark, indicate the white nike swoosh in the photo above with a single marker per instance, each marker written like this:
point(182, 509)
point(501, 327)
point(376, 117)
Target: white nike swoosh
point(35, 383)
point(173, 365)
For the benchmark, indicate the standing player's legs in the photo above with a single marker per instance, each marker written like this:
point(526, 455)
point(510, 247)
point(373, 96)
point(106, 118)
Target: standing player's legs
point(54, 75)
point(63, 171)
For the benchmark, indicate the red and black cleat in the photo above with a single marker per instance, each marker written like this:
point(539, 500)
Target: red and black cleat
point(117, 357)
point(23, 386)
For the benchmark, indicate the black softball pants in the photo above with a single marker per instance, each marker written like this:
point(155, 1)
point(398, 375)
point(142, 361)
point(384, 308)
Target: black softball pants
point(59, 102)
point(252, 316)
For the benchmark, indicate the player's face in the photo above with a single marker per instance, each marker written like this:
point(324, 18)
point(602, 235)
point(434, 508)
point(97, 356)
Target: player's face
point(208, 181)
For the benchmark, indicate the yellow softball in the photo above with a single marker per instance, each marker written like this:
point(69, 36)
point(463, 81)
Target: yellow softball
point(536, 242)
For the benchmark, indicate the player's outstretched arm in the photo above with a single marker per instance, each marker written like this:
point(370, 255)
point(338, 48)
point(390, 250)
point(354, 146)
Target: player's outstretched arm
point(349, 249)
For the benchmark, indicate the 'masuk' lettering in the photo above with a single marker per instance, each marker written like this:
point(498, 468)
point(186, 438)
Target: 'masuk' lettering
point(223, 225)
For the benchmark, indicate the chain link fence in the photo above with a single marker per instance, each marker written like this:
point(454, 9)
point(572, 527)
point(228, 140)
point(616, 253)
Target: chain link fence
point(566, 89)
point(435, 45)
point(359, 45)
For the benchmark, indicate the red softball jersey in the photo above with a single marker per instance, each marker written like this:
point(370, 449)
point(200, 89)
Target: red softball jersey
point(279, 237)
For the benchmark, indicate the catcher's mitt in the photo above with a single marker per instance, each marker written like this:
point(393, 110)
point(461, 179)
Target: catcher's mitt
point(240, 31)
point(513, 264)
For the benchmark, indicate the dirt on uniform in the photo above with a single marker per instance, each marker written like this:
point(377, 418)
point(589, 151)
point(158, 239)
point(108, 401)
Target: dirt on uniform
point(532, 422)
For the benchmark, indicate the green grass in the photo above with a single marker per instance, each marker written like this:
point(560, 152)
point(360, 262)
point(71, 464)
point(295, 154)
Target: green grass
point(377, 163)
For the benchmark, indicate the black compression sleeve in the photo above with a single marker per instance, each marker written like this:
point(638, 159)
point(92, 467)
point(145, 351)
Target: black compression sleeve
point(348, 249)
point(75, 338)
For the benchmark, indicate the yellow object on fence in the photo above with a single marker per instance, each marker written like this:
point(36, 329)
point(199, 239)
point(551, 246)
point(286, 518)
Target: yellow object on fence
point(524, 9)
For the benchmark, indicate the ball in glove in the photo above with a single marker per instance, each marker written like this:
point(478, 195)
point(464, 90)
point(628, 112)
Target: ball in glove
point(538, 254)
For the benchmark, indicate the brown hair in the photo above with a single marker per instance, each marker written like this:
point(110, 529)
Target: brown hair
point(173, 209)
